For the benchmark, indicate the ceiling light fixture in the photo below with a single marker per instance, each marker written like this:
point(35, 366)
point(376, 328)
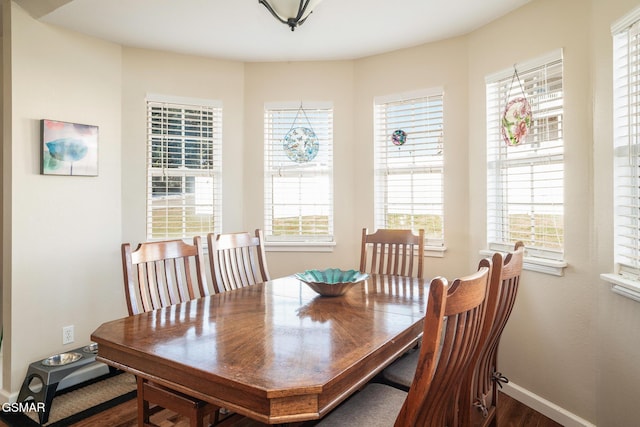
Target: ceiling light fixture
point(290, 12)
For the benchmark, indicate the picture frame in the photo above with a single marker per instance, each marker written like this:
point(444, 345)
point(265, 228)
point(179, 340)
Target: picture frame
point(69, 149)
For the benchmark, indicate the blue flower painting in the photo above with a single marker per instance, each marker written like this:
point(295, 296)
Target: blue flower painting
point(69, 148)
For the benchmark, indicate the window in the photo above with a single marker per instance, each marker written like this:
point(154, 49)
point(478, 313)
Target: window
point(526, 181)
point(409, 177)
point(298, 205)
point(184, 141)
point(626, 124)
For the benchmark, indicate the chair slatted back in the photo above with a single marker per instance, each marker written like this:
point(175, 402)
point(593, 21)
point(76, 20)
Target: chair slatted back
point(445, 356)
point(393, 252)
point(505, 280)
point(237, 260)
point(160, 274)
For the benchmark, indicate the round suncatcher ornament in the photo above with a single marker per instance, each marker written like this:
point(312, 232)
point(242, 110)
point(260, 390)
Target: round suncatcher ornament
point(301, 144)
point(516, 121)
point(399, 137)
point(517, 117)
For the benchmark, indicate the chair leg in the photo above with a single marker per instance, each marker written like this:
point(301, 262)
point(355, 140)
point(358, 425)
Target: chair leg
point(143, 405)
point(196, 420)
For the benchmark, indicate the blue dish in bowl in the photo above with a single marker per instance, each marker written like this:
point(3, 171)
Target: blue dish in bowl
point(332, 282)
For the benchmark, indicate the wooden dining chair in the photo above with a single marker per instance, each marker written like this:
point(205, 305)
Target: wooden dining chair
point(156, 275)
point(485, 378)
point(444, 359)
point(479, 401)
point(159, 274)
point(392, 252)
point(237, 260)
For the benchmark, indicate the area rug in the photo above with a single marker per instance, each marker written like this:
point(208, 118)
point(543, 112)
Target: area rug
point(79, 402)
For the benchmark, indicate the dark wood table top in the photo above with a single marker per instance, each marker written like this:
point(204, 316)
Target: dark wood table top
point(276, 352)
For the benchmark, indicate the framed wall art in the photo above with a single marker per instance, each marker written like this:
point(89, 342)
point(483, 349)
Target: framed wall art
point(69, 149)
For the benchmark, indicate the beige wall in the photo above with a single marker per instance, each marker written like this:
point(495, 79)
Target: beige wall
point(617, 345)
point(435, 65)
point(308, 82)
point(570, 342)
point(5, 155)
point(547, 344)
point(65, 231)
point(162, 73)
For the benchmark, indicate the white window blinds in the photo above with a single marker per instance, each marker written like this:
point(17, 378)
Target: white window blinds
point(183, 168)
point(409, 177)
point(526, 181)
point(298, 204)
point(626, 58)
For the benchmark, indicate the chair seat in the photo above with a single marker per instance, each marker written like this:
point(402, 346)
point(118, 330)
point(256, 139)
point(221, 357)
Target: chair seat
point(401, 372)
point(163, 398)
point(375, 405)
point(174, 400)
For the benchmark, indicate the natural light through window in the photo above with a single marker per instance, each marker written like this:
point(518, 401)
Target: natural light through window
point(409, 163)
point(184, 139)
point(626, 58)
point(525, 181)
point(298, 178)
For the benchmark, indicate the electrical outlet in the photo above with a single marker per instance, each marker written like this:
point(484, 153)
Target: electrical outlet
point(67, 334)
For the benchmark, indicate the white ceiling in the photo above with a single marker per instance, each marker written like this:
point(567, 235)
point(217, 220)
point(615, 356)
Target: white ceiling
point(244, 30)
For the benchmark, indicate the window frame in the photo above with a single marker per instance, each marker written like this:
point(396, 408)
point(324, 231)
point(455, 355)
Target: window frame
point(294, 114)
point(625, 279)
point(421, 114)
point(209, 142)
point(543, 259)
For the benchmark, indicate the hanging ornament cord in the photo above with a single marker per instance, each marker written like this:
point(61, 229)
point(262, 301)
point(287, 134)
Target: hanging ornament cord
point(295, 119)
point(516, 118)
point(513, 78)
point(301, 143)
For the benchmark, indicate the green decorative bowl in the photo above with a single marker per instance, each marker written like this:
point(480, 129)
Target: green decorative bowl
point(332, 282)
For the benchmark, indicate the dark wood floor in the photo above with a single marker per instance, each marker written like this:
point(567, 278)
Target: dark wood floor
point(511, 413)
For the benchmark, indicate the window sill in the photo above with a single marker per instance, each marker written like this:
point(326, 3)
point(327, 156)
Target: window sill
point(622, 286)
point(434, 251)
point(539, 265)
point(299, 246)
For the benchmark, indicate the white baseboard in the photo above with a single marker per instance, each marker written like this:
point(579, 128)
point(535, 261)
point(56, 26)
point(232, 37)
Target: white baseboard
point(83, 374)
point(546, 408)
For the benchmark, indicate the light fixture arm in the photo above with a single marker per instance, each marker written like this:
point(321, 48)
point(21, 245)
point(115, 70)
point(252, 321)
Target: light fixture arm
point(292, 22)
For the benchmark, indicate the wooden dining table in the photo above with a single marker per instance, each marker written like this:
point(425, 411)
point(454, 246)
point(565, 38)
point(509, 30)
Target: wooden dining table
point(276, 352)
